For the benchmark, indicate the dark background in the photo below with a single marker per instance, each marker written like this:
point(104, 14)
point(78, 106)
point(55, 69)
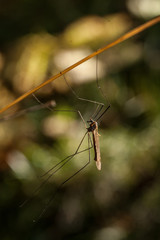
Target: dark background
point(122, 201)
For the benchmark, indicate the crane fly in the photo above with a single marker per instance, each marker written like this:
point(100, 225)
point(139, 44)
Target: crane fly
point(95, 135)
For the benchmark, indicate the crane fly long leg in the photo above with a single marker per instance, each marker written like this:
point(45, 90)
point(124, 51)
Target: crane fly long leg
point(66, 159)
point(63, 162)
point(90, 145)
point(49, 105)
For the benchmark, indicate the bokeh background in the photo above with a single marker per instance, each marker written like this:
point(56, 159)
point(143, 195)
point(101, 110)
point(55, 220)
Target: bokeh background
point(37, 40)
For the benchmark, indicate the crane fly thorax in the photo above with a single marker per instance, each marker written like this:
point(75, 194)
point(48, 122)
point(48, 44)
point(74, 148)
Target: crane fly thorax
point(92, 125)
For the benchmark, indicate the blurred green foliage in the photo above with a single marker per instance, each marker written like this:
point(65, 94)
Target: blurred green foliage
point(39, 39)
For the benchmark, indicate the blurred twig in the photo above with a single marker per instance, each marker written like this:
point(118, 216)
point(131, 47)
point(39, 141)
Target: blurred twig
point(119, 40)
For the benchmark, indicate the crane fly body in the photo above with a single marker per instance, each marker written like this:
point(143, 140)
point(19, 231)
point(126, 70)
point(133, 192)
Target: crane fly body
point(95, 135)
